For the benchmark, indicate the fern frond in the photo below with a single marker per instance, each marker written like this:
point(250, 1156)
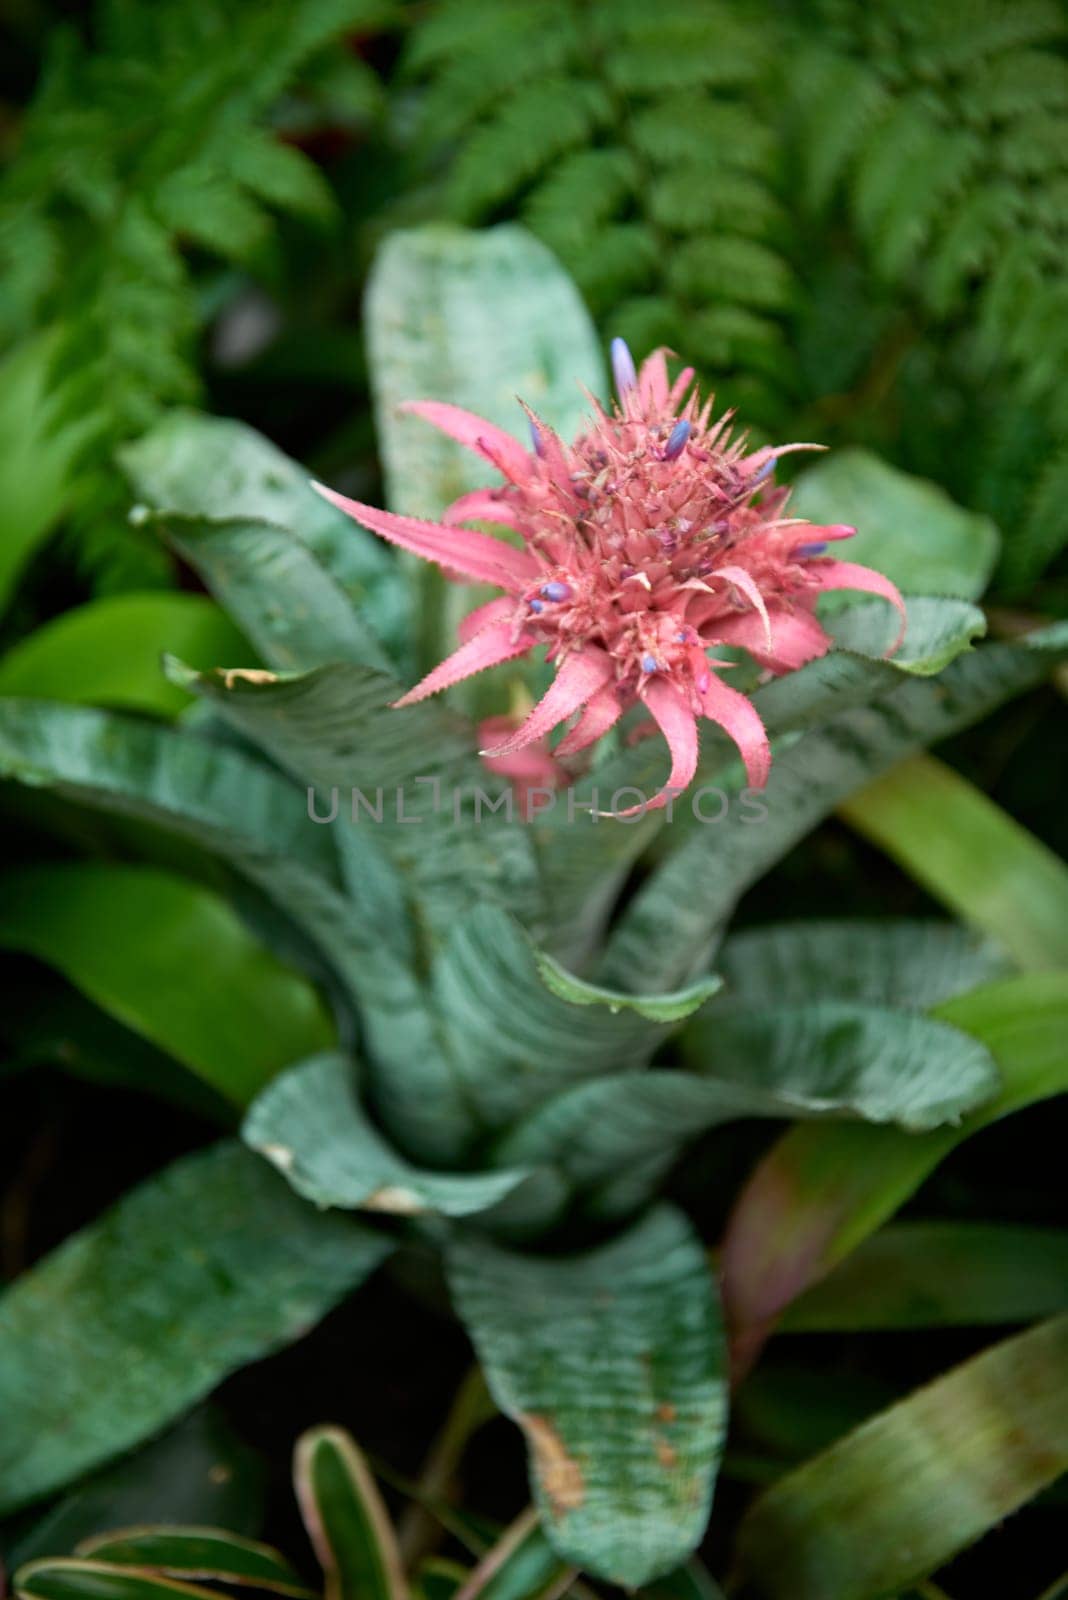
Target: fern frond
point(669, 131)
point(537, 125)
point(158, 138)
point(1014, 85)
point(641, 143)
point(732, 269)
point(945, 127)
point(953, 38)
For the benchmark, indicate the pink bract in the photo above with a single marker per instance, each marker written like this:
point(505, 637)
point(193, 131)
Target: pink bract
point(651, 539)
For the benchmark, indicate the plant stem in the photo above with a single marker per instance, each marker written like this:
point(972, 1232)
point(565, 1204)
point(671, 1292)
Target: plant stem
point(418, 1531)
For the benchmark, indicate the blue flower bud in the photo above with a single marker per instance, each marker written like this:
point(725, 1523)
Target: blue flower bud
point(556, 591)
point(623, 370)
point(677, 440)
point(802, 551)
point(650, 663)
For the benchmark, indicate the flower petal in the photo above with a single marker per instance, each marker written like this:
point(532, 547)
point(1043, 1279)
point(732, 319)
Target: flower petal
point(739, 718)
point(679, 388)
point(747, 584)
point(849, 575)
point(653, 379)
point(476, 555)
point(577, 681)
point(602, 711)
point(796, 637)
point(481, 505)
point(487, 648)
point(679, 727)
point(475, 433)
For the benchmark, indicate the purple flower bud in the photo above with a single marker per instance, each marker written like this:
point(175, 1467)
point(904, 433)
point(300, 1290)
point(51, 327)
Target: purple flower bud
point(535, 605)
point(623, 370)
point(677, 440)
point(802, 551)
point(765, 472)
point(650, 663)
point(556, 591)
point(536, 440)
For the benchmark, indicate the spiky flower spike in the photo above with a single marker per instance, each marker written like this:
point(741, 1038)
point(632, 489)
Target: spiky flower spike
point(649, 540)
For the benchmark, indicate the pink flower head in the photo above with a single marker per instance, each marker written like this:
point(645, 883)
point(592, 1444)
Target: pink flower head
point(649, 540)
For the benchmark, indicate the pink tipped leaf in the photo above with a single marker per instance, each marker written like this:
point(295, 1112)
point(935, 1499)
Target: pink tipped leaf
point(740, 720)
point(481, 505)
point(475, 433)
point(748, 586)
point(488, 648)
point(653, 380)
point(796, 638)
point(679, 727)
point(577, 680)
point(601, 712)
point(849, 575)
point(476, 555)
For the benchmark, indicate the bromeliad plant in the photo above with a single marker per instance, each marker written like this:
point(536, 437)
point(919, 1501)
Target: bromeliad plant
point(500, 1088)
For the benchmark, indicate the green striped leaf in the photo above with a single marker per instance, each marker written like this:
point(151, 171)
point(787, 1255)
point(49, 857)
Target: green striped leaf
point(521, 1029)
point(67, 1578)
point(939, 1274)
point(310, 1124)
point(295, 611)
point(899, 1497)
point(279, 557)
point(823, 1189)
point(212, 1554)
point(209, 1265)
point(347, 1523)
point(901, 962)
point(938, 630)
point(475, 317)
point(937, 825)
point(886, 1066)
point(172, 961)
point(828, 1060)
point(612, 1364)
point(416, 770)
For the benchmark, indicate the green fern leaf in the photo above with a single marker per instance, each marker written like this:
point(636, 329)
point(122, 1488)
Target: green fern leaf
point(537, 125)
point(732, 269)
point(280, 175)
